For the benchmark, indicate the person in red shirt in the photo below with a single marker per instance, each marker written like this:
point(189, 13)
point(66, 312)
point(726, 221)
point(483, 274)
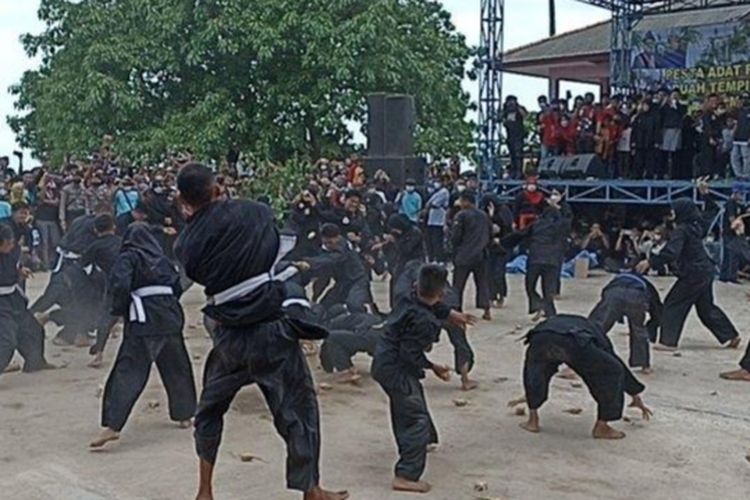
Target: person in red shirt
point(550, 130)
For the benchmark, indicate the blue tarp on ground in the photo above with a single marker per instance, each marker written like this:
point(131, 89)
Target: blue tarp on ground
point(519, 265)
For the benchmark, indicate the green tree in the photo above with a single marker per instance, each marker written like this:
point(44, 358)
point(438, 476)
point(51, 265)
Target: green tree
point(276, 77)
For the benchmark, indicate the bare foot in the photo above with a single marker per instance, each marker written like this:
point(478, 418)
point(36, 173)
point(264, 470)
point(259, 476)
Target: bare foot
point(105, 437)
point(602, 430)
point(318, 493)
point(14, 366)
point(664, 348)
point(82, 341)
point(499, 304)
point(185, 424)
point(401, 484)
point(487, 316)
point(432, 448)
point(531, 425)
point(42, 318)
point(647, 370)
point(97, 362)
point(536, 318)
point(734, 343)
point(468, 385)
point(737, 375)
point(61, 342)
point(349, 377)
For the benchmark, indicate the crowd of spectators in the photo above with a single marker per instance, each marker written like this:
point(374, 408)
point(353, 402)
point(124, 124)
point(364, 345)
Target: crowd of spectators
point(655, 135)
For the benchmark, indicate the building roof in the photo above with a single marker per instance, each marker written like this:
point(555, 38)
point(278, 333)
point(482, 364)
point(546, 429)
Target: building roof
point(594, 40)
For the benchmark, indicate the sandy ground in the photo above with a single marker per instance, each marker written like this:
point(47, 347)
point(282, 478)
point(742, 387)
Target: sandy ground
point(693, 449)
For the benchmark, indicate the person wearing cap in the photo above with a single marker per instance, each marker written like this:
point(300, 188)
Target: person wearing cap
point(409, 201)
point(741, 150)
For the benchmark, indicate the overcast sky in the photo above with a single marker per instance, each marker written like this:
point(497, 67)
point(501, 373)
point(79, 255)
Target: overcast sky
point(526, 21)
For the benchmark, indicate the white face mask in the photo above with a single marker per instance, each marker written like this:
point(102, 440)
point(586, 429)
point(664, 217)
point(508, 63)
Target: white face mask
point(531, 188)
point(410, 189)
point(460, 188)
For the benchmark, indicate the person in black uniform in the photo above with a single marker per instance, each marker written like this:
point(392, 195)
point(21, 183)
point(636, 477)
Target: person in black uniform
point(545, 239)
point(19, 330)
point(68, 286)
point(582, 345)
point(231, 248)
point(695, 278)
point(344, 265)
point(471, 236)
point(502, 225)
point(145, 290)
point(102, 255)
point(407, 244)
point(632, 296)
point(743, 374)
point(399, 364)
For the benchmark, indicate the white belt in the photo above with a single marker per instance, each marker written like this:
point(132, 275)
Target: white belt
point(10, 290)
point(137, 311)
point(296, 302)
point(286, 244)
point(62, 255)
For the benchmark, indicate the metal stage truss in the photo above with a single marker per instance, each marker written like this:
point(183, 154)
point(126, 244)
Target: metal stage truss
point(490, 68)
point(620, 192)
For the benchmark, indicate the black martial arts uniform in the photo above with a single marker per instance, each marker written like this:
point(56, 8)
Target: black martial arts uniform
point(546, 239)
point(581, 344)
point(502, 226)
point(230, 248)
point(631, 296)
point(349, 334)
point(472, 232)
point(407, 248)
point(351, 280)
point(102, 255)
point(145, 290)
point(18, 328)
point(398, 366)
point(695, 278)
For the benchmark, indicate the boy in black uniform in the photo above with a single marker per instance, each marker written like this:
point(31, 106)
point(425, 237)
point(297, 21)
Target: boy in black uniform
point(145, 290)
point(18, 328)
point(695, 280)
point(101, 255)
point(340, 261)
point(399, 364)
point(631, 296)
point(581, 344)
point(231, 248)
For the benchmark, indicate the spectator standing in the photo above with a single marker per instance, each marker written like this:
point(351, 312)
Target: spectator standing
point(672, 113)
point(47, 219)
point(73, 202)
point(437, 210)
point(409, 201)
point(126, 199)
point(741, 149)
point(513, 116)
point(645, 139)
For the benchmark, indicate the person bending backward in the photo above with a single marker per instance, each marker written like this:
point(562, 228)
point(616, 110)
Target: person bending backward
point(399, 364)
point(145, 289)
point(230, 247)
point(582, 345)
point(695, 280)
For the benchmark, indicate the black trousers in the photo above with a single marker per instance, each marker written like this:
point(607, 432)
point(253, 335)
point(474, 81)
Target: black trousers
point(730, 263)
point(550, 276)
point(630, 303)
point(602, 371)
point(54, 294)
point(355, 296)
point(463, 354)
point(498, 281)
point(435, 244)
point(478, 269)
point(698, 292)
point(19, 331)
point(412, 427)
point(130, 374)
point(645, 163)
point(268, 355)
point(745, 361)
point(337, 350)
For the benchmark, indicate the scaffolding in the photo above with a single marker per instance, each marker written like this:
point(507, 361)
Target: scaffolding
point(490, 65)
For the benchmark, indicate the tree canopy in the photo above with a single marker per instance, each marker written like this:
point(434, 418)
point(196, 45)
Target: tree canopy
point(277, 78)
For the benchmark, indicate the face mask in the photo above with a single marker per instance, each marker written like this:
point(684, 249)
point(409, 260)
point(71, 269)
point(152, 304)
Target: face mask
point(410, 189)
point(460, 188)
point(531, 188)
point(436, 185)
point(555, 198)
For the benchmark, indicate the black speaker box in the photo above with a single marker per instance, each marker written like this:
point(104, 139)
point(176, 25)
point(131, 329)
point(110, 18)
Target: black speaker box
point(399, 169)
point(550, 167)
point(583, 167)
point(400, 122)
point(376, 124)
